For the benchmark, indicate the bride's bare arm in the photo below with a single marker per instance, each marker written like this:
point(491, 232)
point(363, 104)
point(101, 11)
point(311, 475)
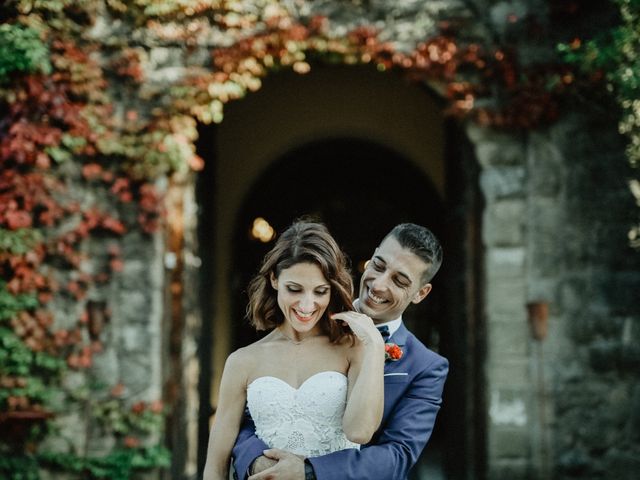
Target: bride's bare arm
point(365, 400)
point(229, 413)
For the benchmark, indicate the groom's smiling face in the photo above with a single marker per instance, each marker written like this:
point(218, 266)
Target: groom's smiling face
point(392, 281)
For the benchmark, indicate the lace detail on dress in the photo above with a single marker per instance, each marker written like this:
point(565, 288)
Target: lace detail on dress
point(306, 421)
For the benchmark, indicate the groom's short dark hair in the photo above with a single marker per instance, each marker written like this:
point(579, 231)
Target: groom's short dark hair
point(423, 243)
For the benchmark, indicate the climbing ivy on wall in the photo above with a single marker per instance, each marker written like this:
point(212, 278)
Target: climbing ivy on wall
point(80, 112)
point(614, 54)
point(58, 132)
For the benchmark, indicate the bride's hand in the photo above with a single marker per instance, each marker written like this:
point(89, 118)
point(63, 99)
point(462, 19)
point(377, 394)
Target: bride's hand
point(361, 325)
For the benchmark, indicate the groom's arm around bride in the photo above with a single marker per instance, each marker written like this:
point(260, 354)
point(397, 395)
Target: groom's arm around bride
point(398, 275)
point(396, 447)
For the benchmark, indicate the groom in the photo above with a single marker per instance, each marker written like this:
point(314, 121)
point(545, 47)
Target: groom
point(398, 274)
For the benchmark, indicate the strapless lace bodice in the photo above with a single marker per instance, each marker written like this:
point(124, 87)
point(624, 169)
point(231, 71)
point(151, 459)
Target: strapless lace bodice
point(306, 421)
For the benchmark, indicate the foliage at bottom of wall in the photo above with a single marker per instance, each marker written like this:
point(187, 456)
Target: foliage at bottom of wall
point(120, 464)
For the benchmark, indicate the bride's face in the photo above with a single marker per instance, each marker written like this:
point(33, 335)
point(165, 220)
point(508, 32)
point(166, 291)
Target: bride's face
point(303, 296)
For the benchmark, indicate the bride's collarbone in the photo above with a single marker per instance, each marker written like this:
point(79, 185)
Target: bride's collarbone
point(295, 366)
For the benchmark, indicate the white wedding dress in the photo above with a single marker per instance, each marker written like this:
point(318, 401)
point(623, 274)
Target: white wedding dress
point(306, 421)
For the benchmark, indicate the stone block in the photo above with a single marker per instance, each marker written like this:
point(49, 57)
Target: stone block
point(505, 262)
point(543, 289)
point(99, 443)
point(134, 274)
point(500, 469)
point(573, 462)
point(621, 464)
point(545, 163)
point(135, 338)
point(509, 442)
point(499, 182)
point(508, 407)
point(572, 294)
point(630, 358)
point(633, 429)
point(509, 337)
point(494, 147)
point(70, 425)
point(506, 297)
point(508, 371)
point(506, 152)
point(106, 366)
point(136, 373)
point(503, 223)
point(134, 306)
point(621, 289)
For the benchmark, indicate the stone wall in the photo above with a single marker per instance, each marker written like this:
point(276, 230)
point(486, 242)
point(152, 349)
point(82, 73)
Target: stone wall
point(595, 366)
point(553, 230)
point(555, 222)
point(128, 305)
point(503, 180)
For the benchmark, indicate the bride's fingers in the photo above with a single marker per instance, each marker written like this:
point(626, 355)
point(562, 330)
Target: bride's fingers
point(361, 325)
point(353, 319)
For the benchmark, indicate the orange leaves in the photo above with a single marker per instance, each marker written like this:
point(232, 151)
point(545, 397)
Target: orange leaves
point(92, 171)
point(25, 142)
point(95, 219)
point(128, 65)
point(117, 390)
point(81, 359)
point(21, 272)
point(16, 219)
point(157, 406)
point(138, 407)
point(33, 328)
point(27, 200)
point(81, 75)
point(122, 189)
point(151, 208)
point(131, 441)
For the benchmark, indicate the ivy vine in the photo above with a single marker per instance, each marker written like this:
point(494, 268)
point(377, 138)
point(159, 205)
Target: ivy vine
point(79, 110)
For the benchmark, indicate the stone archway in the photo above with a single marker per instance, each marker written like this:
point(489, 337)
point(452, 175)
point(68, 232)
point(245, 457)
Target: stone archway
point(554, 203)
point(342, 115)
point(520, 262)
point(360, 189)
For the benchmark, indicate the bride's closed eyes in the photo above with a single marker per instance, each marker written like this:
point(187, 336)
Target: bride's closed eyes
point(319, 291)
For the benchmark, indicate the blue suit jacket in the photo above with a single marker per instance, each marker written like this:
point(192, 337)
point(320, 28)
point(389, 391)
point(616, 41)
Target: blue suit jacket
point(412, 397)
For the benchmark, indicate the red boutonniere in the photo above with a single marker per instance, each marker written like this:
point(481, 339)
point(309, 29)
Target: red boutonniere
point(392, 352)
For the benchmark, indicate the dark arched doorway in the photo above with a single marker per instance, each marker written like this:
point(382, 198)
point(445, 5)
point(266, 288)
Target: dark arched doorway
point(360, 190)
point(360, 151)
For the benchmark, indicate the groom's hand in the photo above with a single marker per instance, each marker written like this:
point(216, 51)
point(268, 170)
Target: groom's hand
point(289, 466)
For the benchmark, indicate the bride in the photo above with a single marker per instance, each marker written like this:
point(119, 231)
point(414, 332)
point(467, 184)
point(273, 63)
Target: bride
point(314, 384)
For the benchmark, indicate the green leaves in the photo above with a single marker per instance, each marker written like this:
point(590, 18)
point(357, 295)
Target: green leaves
point(18, 242)
point(21, 50)
point(118, 465)
point(11, 304)
point(17, 359)
point(616, 55)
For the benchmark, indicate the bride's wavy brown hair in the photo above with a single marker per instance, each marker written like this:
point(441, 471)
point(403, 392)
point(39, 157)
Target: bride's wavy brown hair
point(302, 242)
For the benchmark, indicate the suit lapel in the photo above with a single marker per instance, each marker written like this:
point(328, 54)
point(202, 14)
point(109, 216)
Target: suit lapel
point(400, 336)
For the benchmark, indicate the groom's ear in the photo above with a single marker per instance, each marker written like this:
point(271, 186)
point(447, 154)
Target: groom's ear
point(421, 294)
point(274, 281)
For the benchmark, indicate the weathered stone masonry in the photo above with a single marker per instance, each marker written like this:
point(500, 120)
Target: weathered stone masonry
point(553, 230)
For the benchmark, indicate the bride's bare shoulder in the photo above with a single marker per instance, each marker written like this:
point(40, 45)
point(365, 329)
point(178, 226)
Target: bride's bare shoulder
point(252, 351)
